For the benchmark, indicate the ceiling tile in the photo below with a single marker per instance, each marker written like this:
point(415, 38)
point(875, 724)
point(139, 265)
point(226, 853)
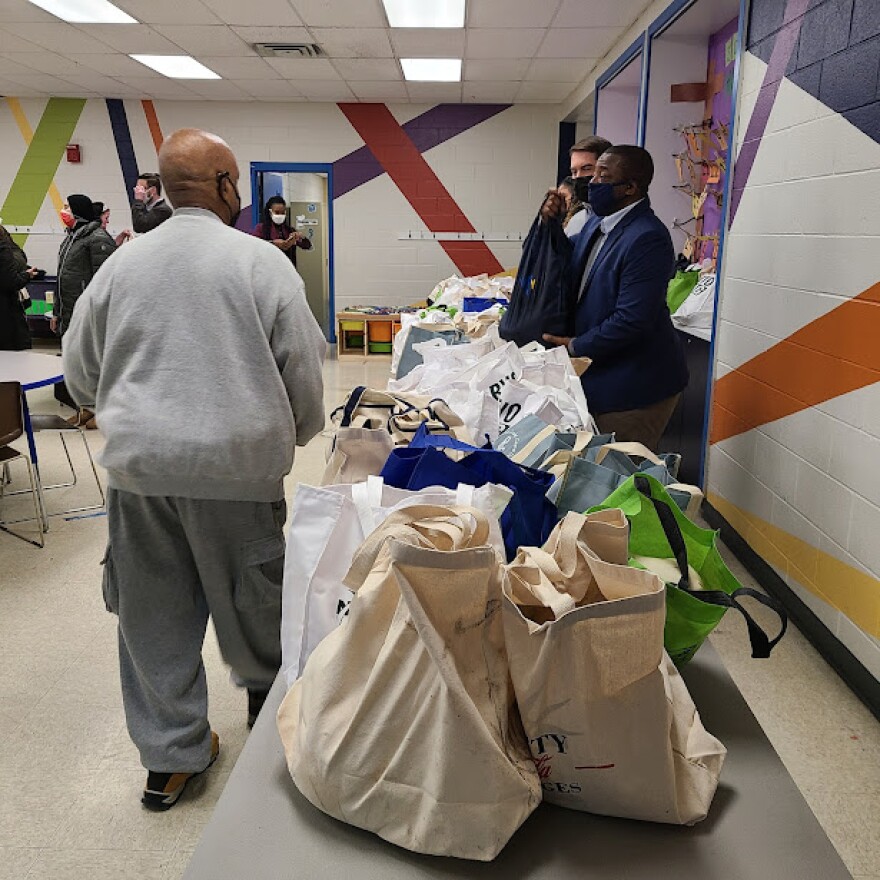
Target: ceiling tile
point(132, 38)
point(381, 90)
point(571, 70)
point(217, 89)
point(271, 13)
point(434, 92)
point(496, 70)
point(239, 68)
point(32, 80)
point(490, 92)
point(277, 89)
point(59, 37)
point(205, 39)
point(351, 13)
point(428, 42)
point(502, 43)
point(544, 91)
point(326, 90)
point(579, 42)
point(168, 11)
point(303, 68)
point(95, 82)
point(18, 11)
point(42, 62)
point(620, 13)
point(113, 65)
point(264, 34)
point(511, 13)
point(158, 87)
point(10, 42)
point(368, 69)
point(354, 42)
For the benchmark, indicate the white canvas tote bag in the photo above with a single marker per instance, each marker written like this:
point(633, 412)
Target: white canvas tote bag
point(327, 526)
point(611, 725)
point(403, 721)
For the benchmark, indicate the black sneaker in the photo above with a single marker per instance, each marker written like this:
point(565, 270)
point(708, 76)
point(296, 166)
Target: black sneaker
point(255, 703)
point(163, 790)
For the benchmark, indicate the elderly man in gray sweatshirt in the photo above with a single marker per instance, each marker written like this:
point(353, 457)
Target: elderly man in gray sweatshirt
point(197, 347)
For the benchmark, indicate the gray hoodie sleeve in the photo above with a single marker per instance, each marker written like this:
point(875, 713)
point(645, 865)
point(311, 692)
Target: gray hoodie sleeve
point(83, 348)
point(299, 347)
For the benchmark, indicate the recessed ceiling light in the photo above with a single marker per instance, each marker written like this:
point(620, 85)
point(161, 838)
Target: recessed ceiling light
point(431, 69)
point(177, 66)
point(425, 14)
point(85, 11)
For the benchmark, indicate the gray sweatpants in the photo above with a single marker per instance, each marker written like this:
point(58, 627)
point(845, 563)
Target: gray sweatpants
point(170, 563)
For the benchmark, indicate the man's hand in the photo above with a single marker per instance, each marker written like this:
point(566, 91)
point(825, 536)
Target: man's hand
point(557, 340)
point(32, 272)
point(53, 324)
point(554, 206)
point(123, 237)
point(140, 194)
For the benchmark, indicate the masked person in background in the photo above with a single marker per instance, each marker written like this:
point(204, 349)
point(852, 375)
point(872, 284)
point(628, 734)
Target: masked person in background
point(275, 228)
point(149, 209)
point(103, 214)
point(85, 248)
point(201, 428)
point(622, 262)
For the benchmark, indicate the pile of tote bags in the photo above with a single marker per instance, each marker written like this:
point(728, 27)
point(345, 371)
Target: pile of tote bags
point(478, 616)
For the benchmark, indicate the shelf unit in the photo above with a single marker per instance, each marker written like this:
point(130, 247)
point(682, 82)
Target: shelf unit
point(366, 335)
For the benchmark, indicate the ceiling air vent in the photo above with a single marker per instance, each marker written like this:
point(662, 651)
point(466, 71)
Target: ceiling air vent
point(289, 50)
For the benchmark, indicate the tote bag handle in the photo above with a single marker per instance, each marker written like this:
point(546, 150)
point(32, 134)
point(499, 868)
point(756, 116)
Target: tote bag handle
point(761, 643)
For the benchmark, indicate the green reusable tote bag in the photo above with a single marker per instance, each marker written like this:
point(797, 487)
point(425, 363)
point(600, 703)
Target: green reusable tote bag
point(659, 529)
point(680, 288)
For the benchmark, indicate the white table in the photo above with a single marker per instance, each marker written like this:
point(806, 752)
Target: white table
point(32, 370)
point(759, 826)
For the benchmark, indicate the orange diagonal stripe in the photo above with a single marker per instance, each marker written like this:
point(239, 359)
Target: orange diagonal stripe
point(153, 123)
point(830, 356)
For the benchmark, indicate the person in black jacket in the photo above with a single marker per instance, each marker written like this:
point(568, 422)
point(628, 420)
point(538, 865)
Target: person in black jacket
point(14, 275)
point(149, 209)
point(274, 227)
point(85, 248)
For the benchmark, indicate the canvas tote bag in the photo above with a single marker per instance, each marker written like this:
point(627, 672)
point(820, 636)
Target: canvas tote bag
point(327, 526)
point(610, 723)
point(403, 722)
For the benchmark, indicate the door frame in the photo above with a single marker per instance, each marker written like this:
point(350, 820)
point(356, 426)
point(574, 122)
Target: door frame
point(258, 168)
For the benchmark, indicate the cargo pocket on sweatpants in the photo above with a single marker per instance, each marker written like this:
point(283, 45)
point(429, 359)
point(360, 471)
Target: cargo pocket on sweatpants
point(258, 588)
point(109, 583)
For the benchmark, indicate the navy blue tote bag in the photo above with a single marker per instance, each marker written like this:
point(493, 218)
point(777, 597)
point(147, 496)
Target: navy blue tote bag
point(542, 300)
point(528, 519)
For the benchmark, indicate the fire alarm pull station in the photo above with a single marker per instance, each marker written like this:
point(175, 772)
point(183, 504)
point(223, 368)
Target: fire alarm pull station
point(74, 153)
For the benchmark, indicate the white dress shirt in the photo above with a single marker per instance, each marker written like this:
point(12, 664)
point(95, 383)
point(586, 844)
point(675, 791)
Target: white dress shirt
point(608, 223)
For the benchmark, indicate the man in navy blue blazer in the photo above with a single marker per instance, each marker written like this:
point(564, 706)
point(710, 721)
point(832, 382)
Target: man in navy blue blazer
point(622, 262)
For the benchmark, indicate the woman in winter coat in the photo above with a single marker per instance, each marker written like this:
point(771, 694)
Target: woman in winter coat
point(14, 275)
point(84, 249)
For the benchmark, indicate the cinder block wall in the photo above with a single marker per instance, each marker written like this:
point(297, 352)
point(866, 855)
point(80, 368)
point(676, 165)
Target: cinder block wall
point(795, 437)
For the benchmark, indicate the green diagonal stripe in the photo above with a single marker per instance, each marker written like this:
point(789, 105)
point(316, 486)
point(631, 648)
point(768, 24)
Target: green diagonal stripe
point(41, 161)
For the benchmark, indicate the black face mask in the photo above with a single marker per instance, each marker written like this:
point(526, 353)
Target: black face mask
point(235, 213)
point(582, 188)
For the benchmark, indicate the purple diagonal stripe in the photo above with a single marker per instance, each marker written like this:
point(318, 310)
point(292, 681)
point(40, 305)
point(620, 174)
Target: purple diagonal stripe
point(436, 126)
point(784, 45)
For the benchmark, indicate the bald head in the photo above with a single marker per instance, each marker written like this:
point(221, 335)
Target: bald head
point(199, 170)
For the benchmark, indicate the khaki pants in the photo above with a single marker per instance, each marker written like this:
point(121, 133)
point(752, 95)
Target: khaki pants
point(645, 426)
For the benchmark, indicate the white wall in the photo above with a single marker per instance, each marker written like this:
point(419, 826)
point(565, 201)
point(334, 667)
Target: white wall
point(617, 113)
point(496, 171)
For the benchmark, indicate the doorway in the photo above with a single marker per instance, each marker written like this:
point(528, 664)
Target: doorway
point(306, 189)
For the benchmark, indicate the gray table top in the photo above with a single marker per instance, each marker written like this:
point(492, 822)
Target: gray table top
point(759, 826)
point(30, 368)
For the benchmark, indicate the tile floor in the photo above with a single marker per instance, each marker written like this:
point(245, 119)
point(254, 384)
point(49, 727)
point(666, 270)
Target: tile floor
point(70, 779)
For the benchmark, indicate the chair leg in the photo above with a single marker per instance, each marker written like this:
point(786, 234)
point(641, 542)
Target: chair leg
point(87, 507)
point(39, 513)
point(70, 467)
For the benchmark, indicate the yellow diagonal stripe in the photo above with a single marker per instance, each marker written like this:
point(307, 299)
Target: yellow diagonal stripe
point(28, 134)
point(839, 585)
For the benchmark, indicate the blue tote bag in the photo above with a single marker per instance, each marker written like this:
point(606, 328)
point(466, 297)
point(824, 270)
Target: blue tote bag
point(528, 519)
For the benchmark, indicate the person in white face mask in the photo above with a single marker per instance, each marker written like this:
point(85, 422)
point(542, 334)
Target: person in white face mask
point(274, 227)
